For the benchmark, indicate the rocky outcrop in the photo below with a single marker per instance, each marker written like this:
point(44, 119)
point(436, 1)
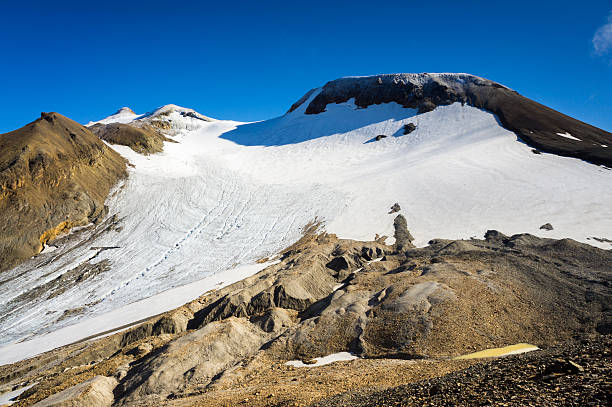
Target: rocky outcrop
point(194, 358)
point(535, 124)
point(403, 238)
point(143, 139)
point(95, 392)
point(54, 175)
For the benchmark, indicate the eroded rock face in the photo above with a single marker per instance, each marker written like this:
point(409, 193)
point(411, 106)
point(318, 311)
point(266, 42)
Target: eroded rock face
point(194, 358)
point(536, 124)
point(403, 238)
point(95, 392)
point(54, 175)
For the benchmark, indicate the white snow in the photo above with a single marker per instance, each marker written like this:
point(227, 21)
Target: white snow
point(230, 193)
point(7, 398)
point(123, 115)
point(569, 136)
point(325, 360)
point(603, 145)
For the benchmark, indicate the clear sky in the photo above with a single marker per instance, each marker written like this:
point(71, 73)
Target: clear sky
point(251, 60)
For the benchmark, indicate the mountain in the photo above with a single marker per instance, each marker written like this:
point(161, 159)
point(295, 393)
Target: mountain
point(217, 206)
point(54, 175)
point(536, 125)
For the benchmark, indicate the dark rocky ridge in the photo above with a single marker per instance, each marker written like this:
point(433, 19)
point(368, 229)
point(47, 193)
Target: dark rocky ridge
point(54, 175)
point(535, 124)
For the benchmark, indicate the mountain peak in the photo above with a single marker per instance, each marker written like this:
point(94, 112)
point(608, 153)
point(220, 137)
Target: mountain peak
point(535, 124)
point(125, 110)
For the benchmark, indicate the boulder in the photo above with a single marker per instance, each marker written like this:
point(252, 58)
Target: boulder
point(95, 392)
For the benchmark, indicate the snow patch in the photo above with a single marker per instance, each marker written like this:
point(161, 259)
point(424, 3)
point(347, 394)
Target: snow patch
point(569, 136)
point(325, 360)
point(8, 398)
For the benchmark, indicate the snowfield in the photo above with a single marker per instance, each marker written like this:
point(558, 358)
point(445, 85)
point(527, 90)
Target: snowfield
point(229, 193)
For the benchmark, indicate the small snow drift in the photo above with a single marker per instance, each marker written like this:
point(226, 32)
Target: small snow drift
point(324, 360)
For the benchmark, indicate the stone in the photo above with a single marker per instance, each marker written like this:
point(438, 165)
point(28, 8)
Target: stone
point(395, 208)
point(409, 128)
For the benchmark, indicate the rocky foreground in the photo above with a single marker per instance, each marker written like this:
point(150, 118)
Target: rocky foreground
point(575, 373)
point(404, 311)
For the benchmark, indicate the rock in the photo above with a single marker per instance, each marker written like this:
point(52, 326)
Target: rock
point(198, 356)
point(395, 208)
point(337, 264)
point(426, 106)
point(173, 323)
point(409, 128)
point(274, 320)
point(494, 236)
point(546, 226)
point(377, 138)
point(95, 392)
point(420, 297)
point(403, 238)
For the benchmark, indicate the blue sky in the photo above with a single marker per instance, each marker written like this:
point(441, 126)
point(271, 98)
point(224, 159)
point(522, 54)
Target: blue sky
point(251, 60)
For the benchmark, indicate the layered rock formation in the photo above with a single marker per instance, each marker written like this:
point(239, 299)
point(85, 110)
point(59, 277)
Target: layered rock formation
point(535, 124)
point(54, 175)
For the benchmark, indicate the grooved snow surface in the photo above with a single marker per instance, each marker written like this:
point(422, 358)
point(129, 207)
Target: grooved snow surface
point(229, 193)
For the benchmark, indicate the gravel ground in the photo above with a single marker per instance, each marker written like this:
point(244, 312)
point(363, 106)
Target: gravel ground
point(572, 374)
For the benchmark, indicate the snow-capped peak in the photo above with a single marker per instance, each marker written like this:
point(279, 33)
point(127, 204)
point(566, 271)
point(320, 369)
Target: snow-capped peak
point(171, 113)
point(123, 115)
point(125, 110)
point(169, 109)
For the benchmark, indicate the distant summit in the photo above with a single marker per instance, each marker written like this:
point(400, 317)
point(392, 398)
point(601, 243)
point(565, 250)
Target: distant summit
point(125, 110)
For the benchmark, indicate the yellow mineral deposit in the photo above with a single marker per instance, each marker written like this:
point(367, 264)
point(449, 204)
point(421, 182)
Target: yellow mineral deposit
point(497, 352)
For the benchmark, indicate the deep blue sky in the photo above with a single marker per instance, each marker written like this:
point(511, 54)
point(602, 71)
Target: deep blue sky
point(252, 60)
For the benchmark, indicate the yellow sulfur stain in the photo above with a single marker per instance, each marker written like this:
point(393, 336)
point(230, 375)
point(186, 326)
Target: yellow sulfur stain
point(496, 352)
point(61, 228)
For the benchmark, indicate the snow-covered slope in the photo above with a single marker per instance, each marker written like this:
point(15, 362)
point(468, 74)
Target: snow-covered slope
point(230, 193)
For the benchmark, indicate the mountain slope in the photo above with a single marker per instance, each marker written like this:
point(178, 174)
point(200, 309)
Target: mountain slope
point(536, 124)
point(54, 175)
point(230, 193)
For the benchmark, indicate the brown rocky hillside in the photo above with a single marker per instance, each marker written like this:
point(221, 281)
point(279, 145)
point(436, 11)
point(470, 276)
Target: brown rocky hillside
point(54, 175)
